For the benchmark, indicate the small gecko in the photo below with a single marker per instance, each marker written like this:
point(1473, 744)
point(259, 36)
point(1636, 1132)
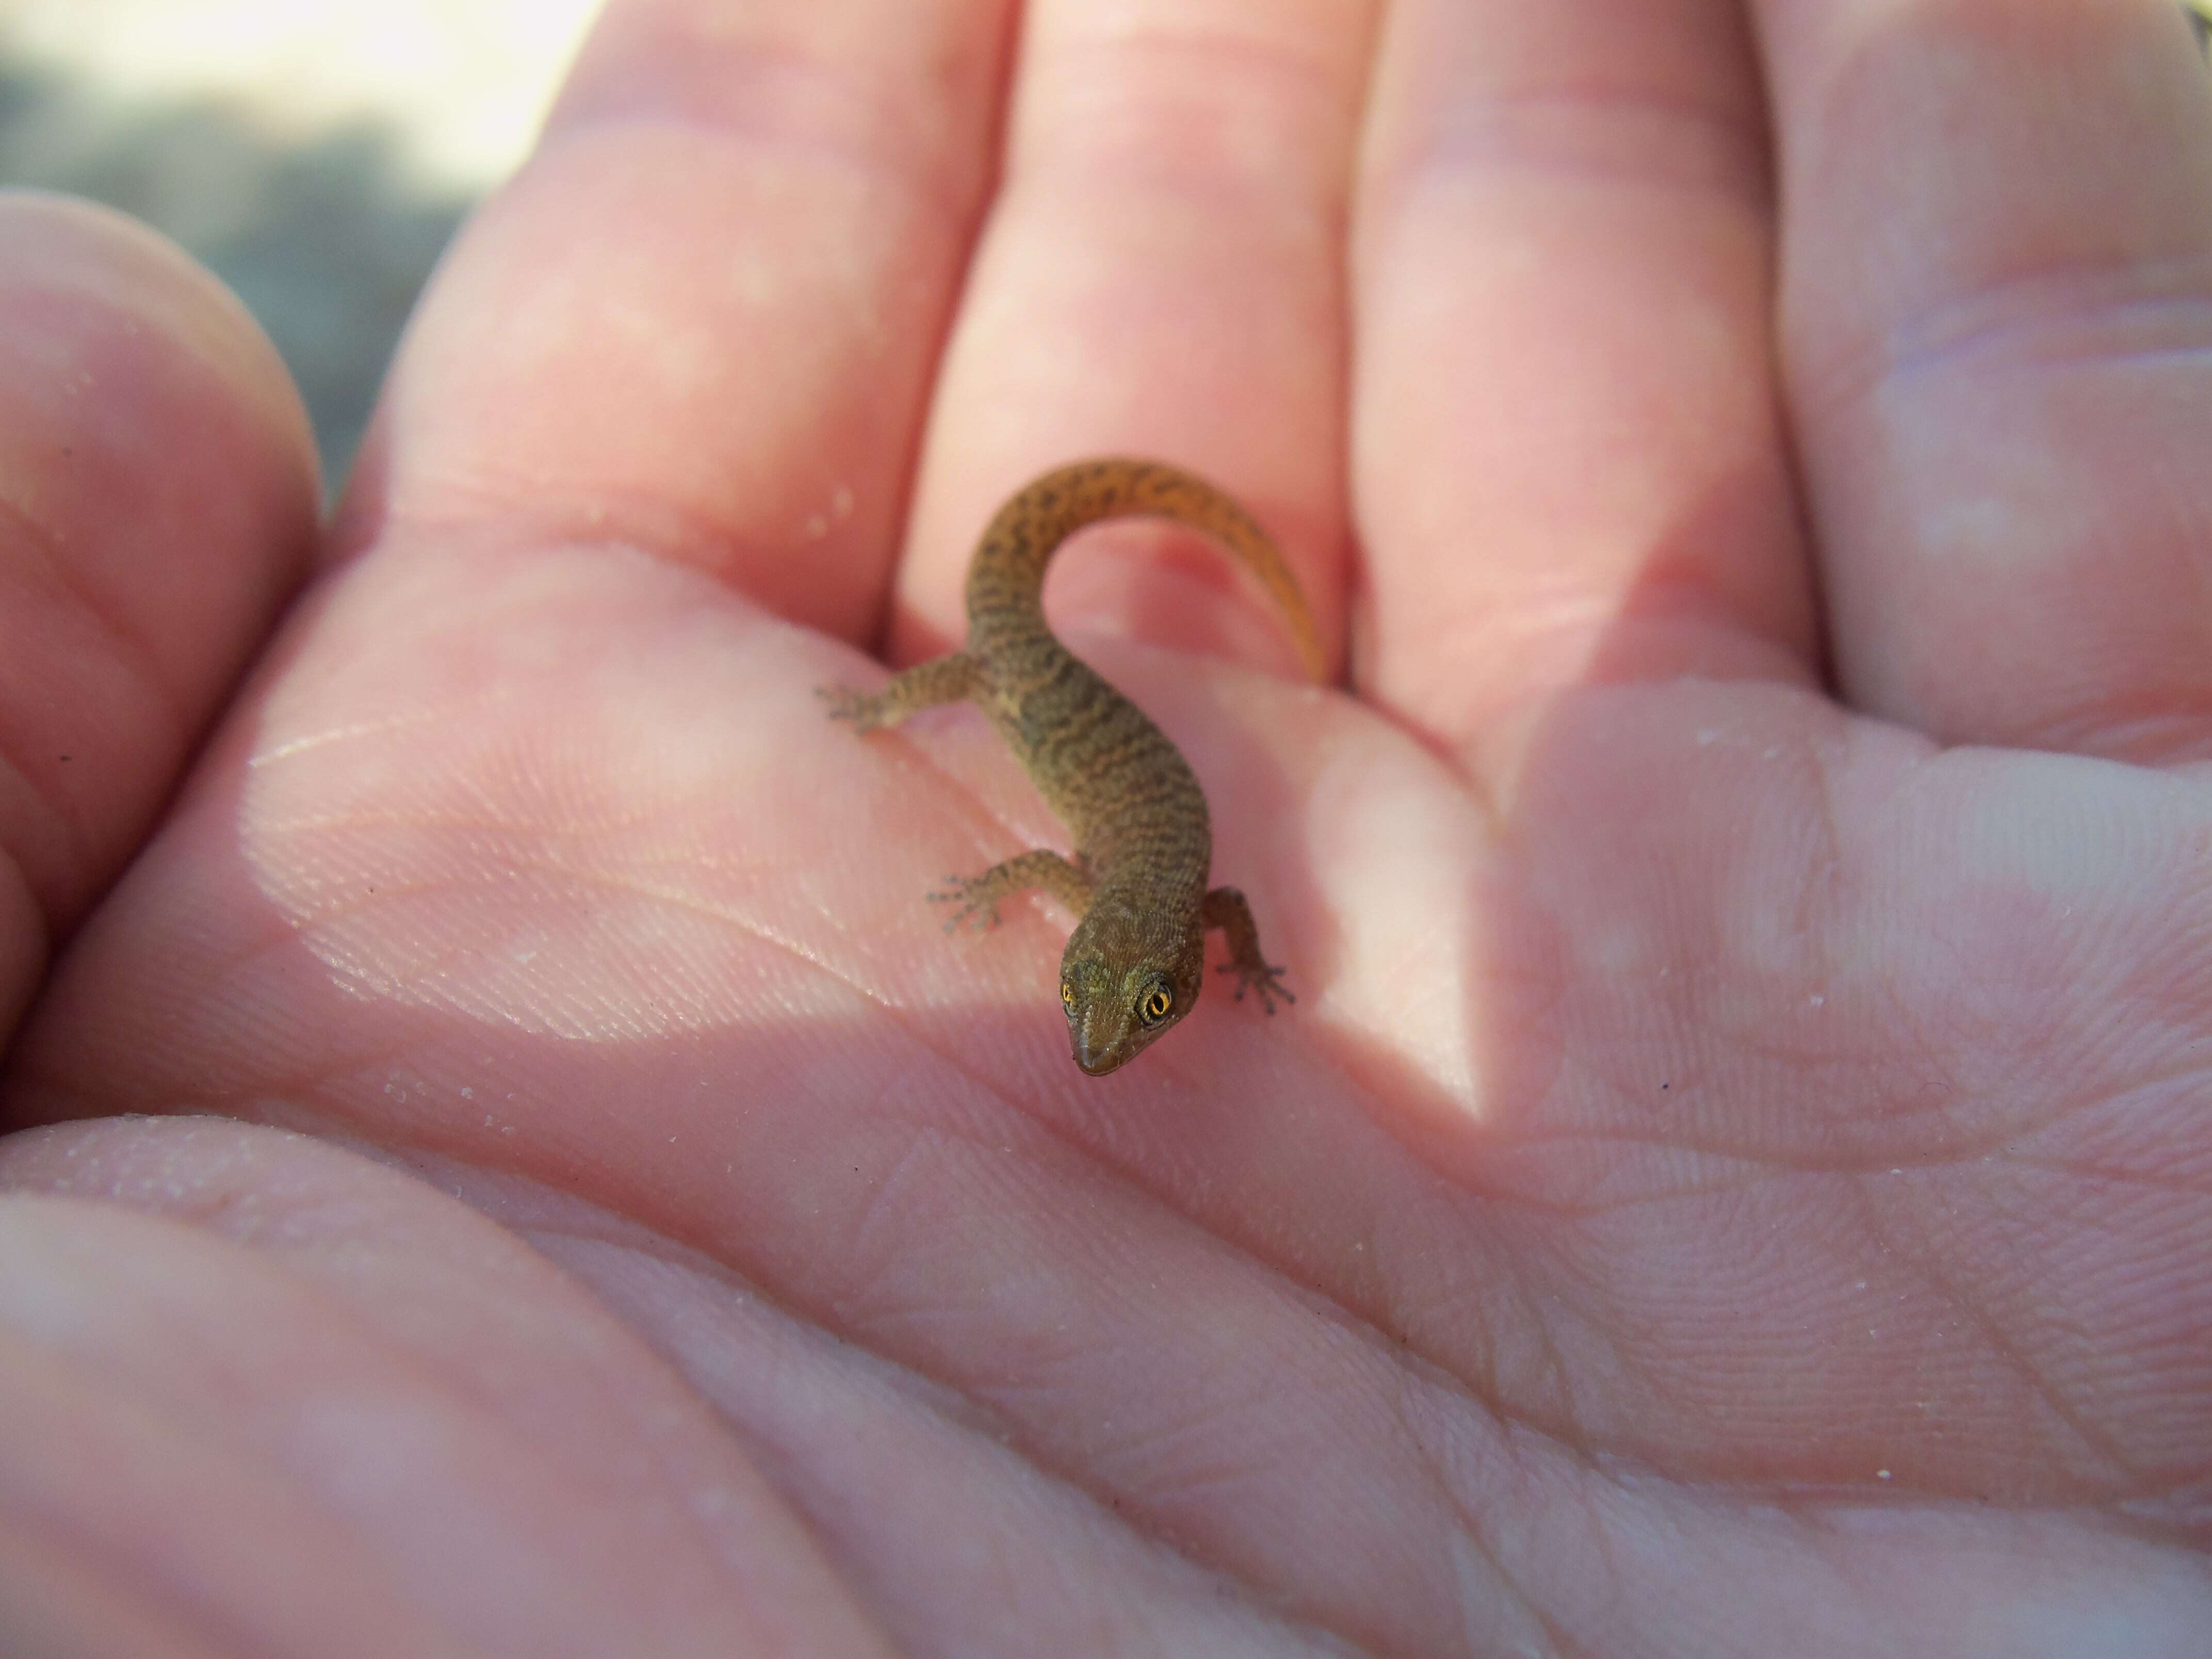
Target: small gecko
point(1136, 961)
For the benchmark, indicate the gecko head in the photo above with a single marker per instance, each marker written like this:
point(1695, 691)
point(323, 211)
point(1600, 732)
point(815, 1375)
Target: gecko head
point(1124, 985)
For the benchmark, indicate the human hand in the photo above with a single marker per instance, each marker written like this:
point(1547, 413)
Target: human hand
point(1735, 1179)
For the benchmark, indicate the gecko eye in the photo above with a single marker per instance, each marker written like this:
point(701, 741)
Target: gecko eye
point(1158, 1004)
point(1066, 994)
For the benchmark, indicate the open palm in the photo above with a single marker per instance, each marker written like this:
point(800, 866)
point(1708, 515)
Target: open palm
point(1737, 1177)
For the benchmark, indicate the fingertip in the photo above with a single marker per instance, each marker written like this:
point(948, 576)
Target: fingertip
point(116, 292)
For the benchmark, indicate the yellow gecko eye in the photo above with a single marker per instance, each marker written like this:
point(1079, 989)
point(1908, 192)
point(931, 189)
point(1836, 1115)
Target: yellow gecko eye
point(1066, 994)
point(1156, 1006)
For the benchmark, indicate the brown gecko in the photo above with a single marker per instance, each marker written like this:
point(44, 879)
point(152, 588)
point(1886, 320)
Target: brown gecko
point(1136, 961)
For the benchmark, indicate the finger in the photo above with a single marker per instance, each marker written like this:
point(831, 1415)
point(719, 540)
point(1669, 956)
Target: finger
point(1162, 276)
point(1565, 452)
point(158, 503)
point(1997, 315)
point(703, 318)
point(264, 1396)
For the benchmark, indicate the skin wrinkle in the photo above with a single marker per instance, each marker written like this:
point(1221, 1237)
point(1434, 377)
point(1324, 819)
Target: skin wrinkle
point(122, 649)
point(750, 925)
point(133, 648)
point(2141, 1180)
point(384, 724)
point(1444, 1490)
point(2069, 314)
point(121, 1561)
point(845, 154)
point(1912, 1253)
point(1590, 133)
point(616, 523)
point(1198, 173)
point(484, 1397)
point(2055, 1399)
point(1006, 1429)
point(2171, 737)
point(1758, 1172)
point(1392, 1348)
point(325, 1267)
point(216, 1099)
point(781, 100)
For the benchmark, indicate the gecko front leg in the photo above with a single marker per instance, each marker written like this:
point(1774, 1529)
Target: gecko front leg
point(1225, 908)
point(979, 896)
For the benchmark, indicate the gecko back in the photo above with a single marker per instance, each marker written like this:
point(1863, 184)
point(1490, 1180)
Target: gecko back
point(1135, 963)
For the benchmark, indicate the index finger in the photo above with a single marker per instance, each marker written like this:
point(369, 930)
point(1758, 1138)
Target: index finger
point(728, 368)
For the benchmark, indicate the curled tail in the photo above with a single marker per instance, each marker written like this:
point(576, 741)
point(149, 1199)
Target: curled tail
point(1006, 576)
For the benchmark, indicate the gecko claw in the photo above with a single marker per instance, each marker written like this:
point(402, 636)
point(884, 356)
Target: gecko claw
point(985, 916)
point(863, 709)
point(1263, 977)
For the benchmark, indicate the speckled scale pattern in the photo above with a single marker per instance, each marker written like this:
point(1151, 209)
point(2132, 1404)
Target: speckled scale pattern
point(1143, 838)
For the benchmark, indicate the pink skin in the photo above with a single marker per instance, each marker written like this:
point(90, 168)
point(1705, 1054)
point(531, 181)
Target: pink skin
point(1737, 1178)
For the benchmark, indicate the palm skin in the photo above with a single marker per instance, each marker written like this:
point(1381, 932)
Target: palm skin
point(1736, 1177)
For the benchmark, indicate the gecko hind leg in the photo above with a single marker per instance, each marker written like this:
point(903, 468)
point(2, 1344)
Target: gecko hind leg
point(941, 680)
point(978, 895)
point(1225, 908)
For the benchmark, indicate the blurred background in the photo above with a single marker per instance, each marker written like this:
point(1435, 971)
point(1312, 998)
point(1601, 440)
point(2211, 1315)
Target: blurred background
point(315, 153)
